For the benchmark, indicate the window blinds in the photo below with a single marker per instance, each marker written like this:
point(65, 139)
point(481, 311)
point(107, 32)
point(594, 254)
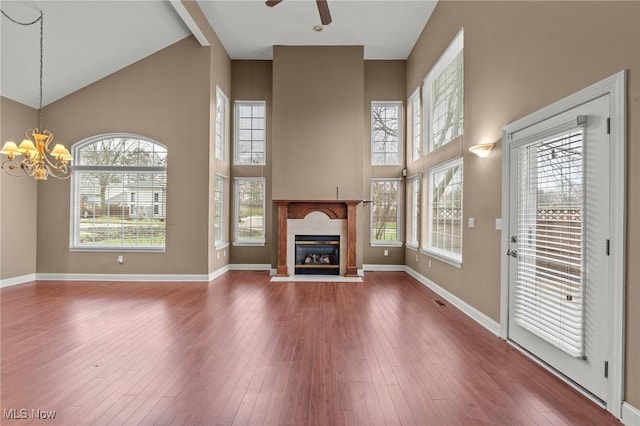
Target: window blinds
point(549, 290)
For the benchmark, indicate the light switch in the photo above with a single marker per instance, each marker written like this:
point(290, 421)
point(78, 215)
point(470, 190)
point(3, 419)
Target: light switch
point(472, 222)
point(499, 224)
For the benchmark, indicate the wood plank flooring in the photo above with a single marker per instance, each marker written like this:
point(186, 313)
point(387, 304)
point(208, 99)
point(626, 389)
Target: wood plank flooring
point(244, 351)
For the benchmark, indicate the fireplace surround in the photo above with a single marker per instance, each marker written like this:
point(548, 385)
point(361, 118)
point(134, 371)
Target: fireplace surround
point(333, 209)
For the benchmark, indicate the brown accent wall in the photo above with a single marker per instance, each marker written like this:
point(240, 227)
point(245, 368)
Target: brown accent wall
point(18, 198)
point(383, 81)
point(318, 125)
point(165, 97)
point(318, 122)
point(252, 81)
point(519, 57)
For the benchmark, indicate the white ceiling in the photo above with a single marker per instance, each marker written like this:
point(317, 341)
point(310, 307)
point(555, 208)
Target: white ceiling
point(85, 41)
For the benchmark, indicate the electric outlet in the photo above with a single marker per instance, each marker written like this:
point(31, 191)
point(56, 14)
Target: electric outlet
point(218, 254)
point(224, 253)
point(386, 252)
point(471, 222)
point(416, 257)
point(120, 259)
point(429, 263)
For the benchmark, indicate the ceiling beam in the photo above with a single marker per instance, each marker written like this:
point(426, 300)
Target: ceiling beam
point(190, 22)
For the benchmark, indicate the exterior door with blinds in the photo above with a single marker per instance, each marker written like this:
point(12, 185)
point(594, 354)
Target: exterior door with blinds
point(558, 269)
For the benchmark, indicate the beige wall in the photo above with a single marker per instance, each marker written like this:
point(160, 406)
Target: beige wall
point(252, 81)
point(318, 122)
point(164, 97)
point(18, 198)
point(519, 57)
point(383, 81)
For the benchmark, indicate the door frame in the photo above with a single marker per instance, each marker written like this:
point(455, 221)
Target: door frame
point(615, 86)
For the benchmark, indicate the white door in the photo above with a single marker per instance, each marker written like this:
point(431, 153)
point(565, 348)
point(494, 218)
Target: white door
point(558, 249)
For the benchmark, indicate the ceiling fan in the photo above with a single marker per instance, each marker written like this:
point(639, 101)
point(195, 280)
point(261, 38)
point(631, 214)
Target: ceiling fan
point(323, 9)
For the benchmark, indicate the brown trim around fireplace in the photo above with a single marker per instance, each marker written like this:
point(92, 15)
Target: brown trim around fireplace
point(334, 209)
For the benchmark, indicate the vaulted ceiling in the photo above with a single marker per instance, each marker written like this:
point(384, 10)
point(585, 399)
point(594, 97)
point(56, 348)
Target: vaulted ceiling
point(85, 41)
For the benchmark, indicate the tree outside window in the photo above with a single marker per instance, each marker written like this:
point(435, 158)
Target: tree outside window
point(385, 133)
point(385, 211)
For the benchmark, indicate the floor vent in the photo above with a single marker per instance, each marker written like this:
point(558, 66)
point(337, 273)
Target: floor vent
point(439, 302)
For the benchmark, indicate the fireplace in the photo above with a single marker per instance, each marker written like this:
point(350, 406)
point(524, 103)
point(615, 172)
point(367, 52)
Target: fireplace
point(317, 254)
point(341, 217)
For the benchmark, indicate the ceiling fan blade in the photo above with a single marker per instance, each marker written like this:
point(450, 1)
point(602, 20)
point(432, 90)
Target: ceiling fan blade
point(323, 9)
point(272, 3)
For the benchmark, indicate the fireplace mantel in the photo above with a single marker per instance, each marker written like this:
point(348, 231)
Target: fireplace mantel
point(334, 209)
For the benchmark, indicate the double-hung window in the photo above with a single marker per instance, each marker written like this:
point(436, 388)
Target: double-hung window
point(444, 223)
point(249, 211)
point(443, 96)
point(250, 133)
point(385, 212)
point(413, 194)
point(386, 133)
point(118, 191)
point(219, 224)
point(222, 108)
point(414, 137)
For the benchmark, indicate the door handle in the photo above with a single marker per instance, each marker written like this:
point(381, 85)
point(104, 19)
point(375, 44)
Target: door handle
point(512, 253)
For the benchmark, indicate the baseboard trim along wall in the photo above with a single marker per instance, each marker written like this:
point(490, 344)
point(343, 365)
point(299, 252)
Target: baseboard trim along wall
point(392, 268)
point(467, 309)
point(630, 415)
point(124, 277)
point(8, 282)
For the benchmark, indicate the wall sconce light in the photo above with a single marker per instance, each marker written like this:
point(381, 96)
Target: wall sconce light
point(482, 149)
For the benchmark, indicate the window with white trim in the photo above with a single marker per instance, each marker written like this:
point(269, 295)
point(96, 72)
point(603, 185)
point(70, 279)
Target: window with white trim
point(220, 228)
point(385, 212)
point(250, 132)
point(222, 108)
point(414, 137)
point(118, 191)
point(443, 95)
point(249, 210)
point(385, 133)
point(413, 184)
point(444, 210)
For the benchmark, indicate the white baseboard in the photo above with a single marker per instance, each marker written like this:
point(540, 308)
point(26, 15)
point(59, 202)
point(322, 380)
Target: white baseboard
point(250, 267)
point(8, 282)
point(630, 415)
point(469, 310)
point(396, 268)
point(218, 272)
point(124, 277)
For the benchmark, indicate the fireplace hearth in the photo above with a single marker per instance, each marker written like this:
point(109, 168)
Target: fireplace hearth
point(317, 254)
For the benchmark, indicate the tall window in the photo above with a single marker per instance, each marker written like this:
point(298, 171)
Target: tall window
point(444, 96)
point(385, 212)
point(444, 221)
point(220, 234)
point(119, 188)
point(413, 184)
point(250, 132)
point(413, 125)
point(249, 210)
point(222, 107)
point(385, 133)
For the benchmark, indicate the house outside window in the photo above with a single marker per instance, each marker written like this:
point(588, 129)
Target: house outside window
point(222, 108)
point(250, 139)
point(386, 134)
point(385, 212)
point(444, 211)
point(112, 188)
point(443, 96)
point(249, 211)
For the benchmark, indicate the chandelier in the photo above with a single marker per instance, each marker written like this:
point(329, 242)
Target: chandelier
point(40, 160)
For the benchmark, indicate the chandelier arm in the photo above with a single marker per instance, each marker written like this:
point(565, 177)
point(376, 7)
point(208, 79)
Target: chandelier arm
point(8, 166)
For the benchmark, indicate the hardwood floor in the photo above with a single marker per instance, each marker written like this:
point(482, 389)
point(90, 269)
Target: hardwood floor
point(242, 350)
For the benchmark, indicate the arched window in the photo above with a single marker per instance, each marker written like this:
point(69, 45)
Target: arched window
point(119, 193)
